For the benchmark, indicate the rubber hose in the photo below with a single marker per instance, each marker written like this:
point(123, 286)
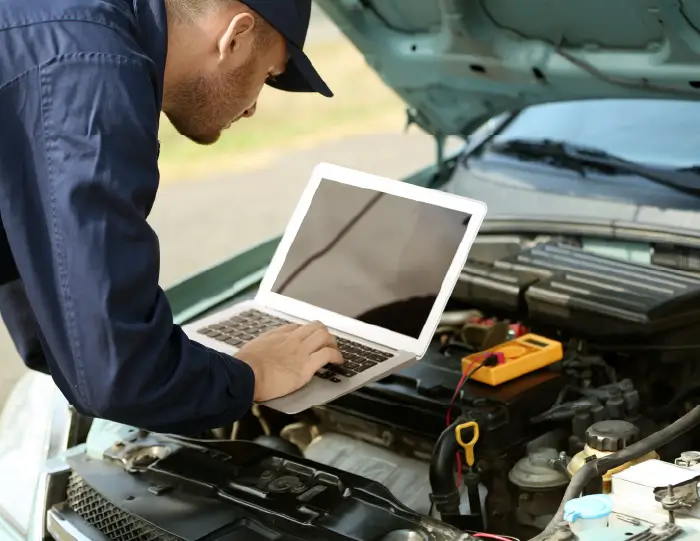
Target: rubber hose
point(597, 468)
point(442, 467)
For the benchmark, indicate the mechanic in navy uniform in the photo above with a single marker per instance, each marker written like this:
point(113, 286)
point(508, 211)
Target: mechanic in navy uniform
point(82, 86)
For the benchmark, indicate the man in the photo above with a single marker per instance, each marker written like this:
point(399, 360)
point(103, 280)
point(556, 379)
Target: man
point(82, 84)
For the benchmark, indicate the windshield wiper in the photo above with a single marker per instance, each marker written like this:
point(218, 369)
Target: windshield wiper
point(579, 158)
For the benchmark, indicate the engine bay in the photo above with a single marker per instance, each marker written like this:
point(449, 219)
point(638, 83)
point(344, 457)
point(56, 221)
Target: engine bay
point(436, 452)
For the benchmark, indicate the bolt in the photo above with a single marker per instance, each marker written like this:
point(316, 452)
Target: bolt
point(671, 517)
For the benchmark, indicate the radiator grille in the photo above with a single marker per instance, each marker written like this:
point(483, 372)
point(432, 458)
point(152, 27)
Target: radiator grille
point(116, 524)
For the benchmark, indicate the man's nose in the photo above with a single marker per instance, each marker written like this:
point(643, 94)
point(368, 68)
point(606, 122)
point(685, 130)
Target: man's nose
point(250, 111)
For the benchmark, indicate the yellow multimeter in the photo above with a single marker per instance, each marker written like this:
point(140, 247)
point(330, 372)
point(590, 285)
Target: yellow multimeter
point(515, 358)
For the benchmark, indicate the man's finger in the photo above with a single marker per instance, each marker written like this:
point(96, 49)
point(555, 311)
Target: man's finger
point(325, 356)
point(304, 331)
point(289, 327)
point(318, 340)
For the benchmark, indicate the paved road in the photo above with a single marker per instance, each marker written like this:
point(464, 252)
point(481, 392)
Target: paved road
point(202, 222)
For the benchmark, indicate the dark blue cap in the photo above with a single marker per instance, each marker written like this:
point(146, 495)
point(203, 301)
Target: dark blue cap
point(291, 19)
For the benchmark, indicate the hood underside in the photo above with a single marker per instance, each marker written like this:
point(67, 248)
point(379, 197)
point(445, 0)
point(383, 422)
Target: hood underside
point(457, 63)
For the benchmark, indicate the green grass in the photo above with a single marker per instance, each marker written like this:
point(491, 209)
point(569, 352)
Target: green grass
point(362, 104)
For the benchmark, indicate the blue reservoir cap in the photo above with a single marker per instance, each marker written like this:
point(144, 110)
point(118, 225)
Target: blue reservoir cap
point(588, 507)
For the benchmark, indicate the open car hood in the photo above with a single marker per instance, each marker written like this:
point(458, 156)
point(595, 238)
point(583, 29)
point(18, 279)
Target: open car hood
point(457, 63)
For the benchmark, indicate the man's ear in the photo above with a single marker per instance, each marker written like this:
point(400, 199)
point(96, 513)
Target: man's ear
point(237, 37)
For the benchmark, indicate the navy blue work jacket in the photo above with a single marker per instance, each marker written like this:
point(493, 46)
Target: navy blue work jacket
point(81, 85)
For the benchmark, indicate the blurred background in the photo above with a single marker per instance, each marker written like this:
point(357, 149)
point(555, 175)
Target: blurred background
point(218, 200)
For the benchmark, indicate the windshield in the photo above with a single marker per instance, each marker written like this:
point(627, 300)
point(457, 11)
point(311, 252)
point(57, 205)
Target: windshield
point(655, 132)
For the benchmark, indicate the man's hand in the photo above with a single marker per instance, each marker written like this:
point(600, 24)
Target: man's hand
point(285, 359)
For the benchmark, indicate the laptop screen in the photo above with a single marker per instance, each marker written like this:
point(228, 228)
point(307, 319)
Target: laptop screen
point(371, 256)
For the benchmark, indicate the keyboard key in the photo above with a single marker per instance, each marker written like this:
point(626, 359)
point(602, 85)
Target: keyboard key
point(343, 371)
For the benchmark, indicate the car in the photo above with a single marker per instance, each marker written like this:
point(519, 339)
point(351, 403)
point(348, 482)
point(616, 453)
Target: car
point(580, 124)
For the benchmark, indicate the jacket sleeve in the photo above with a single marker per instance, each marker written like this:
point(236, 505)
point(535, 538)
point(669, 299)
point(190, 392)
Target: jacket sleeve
point(15, 311)
point(20, 323)
point(106, 325)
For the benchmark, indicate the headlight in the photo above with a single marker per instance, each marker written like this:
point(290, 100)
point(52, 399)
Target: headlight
point(33, 428)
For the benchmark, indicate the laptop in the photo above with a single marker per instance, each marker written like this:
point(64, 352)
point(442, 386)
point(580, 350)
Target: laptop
point(373, 259)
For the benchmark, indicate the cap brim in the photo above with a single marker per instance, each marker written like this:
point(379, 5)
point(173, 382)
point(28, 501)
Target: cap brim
point(300, 75)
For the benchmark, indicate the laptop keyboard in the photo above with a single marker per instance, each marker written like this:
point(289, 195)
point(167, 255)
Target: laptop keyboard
point(244, 327)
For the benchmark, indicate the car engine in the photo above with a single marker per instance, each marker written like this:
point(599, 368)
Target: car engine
point(595, 438)
point(627, 370)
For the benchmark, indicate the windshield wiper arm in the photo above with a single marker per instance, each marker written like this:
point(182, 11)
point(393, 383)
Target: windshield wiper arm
point(563, 154)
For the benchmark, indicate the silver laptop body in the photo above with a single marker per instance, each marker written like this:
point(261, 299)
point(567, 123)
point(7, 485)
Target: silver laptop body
point(373, 259)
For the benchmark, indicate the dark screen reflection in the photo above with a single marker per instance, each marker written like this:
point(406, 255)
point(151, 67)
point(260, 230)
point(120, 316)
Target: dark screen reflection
point(372, 256)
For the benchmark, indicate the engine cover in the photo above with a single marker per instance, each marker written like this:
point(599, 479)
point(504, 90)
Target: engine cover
point(406, 478)
point(588, 295)
point(156, 487)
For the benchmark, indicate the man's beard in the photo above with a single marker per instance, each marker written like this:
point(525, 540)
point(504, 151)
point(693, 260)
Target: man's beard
point(200, 108)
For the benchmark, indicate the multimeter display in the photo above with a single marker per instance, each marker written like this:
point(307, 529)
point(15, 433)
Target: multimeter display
point(536, 343)
point(515, 358)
